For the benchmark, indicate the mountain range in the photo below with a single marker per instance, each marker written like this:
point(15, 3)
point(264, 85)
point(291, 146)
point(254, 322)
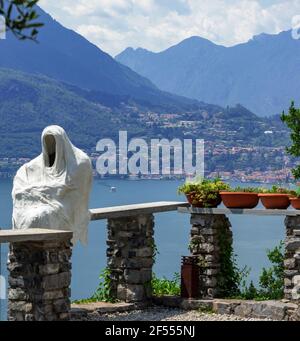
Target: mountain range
point(261, 74)
point(30, 102)
point(66, 80)
point(66, 56)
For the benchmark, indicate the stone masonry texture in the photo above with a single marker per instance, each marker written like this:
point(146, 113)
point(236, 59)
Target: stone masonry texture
point(292, 259)
point(130, 257)
point(39, 281)
point(204, 244)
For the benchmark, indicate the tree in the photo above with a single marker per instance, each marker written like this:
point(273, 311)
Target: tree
point(20, 18)
point(292, 120)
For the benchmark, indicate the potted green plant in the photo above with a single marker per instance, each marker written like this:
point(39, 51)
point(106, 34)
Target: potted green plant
point(275, 198)
point(240, 197)
point(203, 192)
point(295, 199)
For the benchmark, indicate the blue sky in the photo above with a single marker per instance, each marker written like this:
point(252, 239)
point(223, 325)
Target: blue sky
point(114, 25)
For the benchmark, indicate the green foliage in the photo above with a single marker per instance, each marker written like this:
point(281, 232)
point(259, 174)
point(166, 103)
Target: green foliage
point(204, 190)
point(188, 187)
point(297, 192)
point(271, 281)
point(155, 251)
point(276, 190)
point(292, 120)
point(85, 301)
point(20, 17)
point(231, 276)
point(166, 286)
point(194, 244)
point(41, 101)
point(103, 292)
point(248, 293)
point(206, 310)
point(246, 189)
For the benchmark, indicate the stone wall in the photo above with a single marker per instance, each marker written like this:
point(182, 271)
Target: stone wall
point(130, 257)
point(292, 259)
point(39, 281)
point(208, 232)
point(270, 310)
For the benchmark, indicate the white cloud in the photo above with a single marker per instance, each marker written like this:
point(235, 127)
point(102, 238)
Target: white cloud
point(114, 25)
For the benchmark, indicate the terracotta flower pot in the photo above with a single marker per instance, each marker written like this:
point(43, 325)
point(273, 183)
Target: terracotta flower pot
point(190, 198)
point(239, 199)
point(295, 202)
point(199, 204)
point(275, 201)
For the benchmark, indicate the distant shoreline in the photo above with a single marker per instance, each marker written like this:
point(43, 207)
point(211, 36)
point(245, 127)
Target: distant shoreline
point(97, 178)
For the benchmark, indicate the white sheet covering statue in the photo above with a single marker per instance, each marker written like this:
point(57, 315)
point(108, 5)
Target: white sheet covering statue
point(52, 191)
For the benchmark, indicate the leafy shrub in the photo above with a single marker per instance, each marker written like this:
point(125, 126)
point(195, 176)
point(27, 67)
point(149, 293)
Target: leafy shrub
point(103, 292)
point(276, 190)
point(164, 286)
point(292, 119)
point(296, 193)
point(188, 187)
point(249, 293)
point(246, 189)
point(231, 276)
point(271, 281)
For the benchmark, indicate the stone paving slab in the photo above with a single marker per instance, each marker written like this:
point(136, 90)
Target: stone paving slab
point(32, 235)
point(82, 310)
point(137, 209)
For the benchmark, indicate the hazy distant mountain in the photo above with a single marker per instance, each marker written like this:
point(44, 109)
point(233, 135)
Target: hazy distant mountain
point(262, 74)
point(66, 56)
point(28, 103)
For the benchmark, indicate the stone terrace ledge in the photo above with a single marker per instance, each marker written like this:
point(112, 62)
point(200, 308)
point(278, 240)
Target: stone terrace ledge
point(221, 211)
point(32, 235)
point(135, 210)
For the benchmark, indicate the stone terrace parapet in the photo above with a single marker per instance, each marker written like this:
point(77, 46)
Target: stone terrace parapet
point(39, 265)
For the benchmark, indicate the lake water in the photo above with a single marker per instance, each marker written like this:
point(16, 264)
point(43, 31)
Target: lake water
point(252, 235)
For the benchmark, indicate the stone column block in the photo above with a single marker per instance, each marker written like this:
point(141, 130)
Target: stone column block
point(130, 255)
point(39, 281)
point(209, 234)
point(292, 259)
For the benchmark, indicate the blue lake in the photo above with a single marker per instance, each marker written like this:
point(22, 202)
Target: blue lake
point(252, 235)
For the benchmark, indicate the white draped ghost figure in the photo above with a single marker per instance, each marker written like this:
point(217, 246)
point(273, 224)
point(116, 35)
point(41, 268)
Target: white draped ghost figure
point(52, 191)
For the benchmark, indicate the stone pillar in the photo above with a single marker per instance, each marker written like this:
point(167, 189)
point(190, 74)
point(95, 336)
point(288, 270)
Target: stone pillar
point(39, 281)
point(211, 242)
point(130, 257)
point(292, 259)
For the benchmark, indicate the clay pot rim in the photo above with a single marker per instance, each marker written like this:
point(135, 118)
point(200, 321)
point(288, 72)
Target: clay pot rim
point(273, 195)
point(294, 198)
point(238, 193)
